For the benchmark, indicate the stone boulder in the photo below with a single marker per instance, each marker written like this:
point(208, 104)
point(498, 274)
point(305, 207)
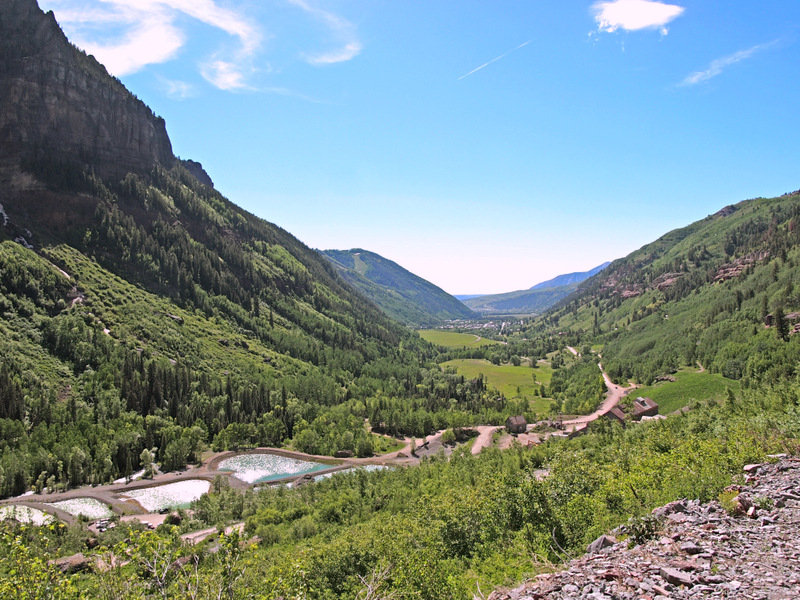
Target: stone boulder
point(77, 563)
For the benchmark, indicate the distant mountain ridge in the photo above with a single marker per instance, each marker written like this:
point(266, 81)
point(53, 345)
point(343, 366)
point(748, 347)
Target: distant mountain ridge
point(405, 297)
point(570, 278)
point(534, 300)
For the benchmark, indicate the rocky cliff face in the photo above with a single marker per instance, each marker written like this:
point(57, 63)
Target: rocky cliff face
point(58, 103)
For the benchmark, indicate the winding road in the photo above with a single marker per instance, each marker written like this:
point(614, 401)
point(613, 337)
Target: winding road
point(614, 395)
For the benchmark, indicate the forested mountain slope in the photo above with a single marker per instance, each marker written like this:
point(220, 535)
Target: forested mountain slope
point(139, 308)
point(402, 295)
point(722, 291)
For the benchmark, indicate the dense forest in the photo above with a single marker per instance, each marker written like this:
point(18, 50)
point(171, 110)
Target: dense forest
point(448, 528)
point(174, 321)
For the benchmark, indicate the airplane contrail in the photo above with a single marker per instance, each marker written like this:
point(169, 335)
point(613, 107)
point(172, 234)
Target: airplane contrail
point(494, 60)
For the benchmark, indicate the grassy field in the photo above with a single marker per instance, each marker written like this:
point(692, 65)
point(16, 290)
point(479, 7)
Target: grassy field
point(509, 380)
point(450, 339)
point(690, 385)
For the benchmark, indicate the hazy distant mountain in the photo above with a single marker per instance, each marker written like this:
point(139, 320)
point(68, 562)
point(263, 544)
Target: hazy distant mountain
point(569, 278)
point(534, 300)
point(399, 293)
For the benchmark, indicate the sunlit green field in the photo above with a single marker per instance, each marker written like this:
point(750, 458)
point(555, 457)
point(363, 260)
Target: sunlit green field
point(509, 380)
point(690, 386)
point(450, 339)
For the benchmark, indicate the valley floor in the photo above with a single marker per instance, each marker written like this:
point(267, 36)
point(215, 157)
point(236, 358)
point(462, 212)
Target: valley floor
point(130, 509)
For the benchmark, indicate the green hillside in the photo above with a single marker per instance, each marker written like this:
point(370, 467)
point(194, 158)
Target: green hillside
point(719, 295)
point(689, 387)
point(702, 295)
point(402, 295)
point(142, 310)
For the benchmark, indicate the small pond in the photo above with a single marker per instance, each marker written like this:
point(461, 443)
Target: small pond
point(88, 507)
point(259, 468)
point(171, 495)
point(25, 514)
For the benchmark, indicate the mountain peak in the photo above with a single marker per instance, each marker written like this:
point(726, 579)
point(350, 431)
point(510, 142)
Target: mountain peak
point(402, 295)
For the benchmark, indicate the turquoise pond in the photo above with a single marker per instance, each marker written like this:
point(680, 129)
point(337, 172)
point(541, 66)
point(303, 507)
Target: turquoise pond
point(259, 468)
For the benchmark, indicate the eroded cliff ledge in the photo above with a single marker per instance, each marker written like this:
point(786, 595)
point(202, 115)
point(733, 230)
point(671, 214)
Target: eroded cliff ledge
point(57, 103)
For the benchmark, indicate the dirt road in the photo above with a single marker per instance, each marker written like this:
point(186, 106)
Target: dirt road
point(614, 395)
point(484, 439)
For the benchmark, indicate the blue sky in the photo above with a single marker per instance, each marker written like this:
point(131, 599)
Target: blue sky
point(484, 146)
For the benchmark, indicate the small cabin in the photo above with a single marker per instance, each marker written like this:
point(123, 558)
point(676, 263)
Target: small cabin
point(641, 407)
point(616, 413)
point(516, 424)
point(644, 407)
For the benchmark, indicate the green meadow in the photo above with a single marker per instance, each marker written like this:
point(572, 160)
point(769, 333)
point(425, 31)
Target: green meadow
point(509, 380)
point(690, 386)
point(451, 339)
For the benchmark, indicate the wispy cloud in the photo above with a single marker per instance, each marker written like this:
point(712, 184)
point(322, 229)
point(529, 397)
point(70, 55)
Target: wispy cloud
point(522, 45)
point(178, 90)
point(348, 52)
point(225, 75)
point(129, 35)
point(279, 91)
point(342, 30)
point(149, 34)
point(146, 38)
point(633, 15)
point(719, 65)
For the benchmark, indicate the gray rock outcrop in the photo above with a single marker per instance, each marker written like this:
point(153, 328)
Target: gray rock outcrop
point(57, 103)
point(710, 551)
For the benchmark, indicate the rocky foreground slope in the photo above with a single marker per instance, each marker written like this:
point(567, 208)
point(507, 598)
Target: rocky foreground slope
point(750, 548)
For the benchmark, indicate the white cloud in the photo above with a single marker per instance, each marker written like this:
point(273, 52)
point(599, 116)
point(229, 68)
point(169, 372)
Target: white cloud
point(209, 13)
point(128, 35)
point(152, 40)
point(178, 90)
point(719, 65)
point(150, 34)
point(224, 75)
point(350, 50)
point(633, 15)
point(342, 30)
